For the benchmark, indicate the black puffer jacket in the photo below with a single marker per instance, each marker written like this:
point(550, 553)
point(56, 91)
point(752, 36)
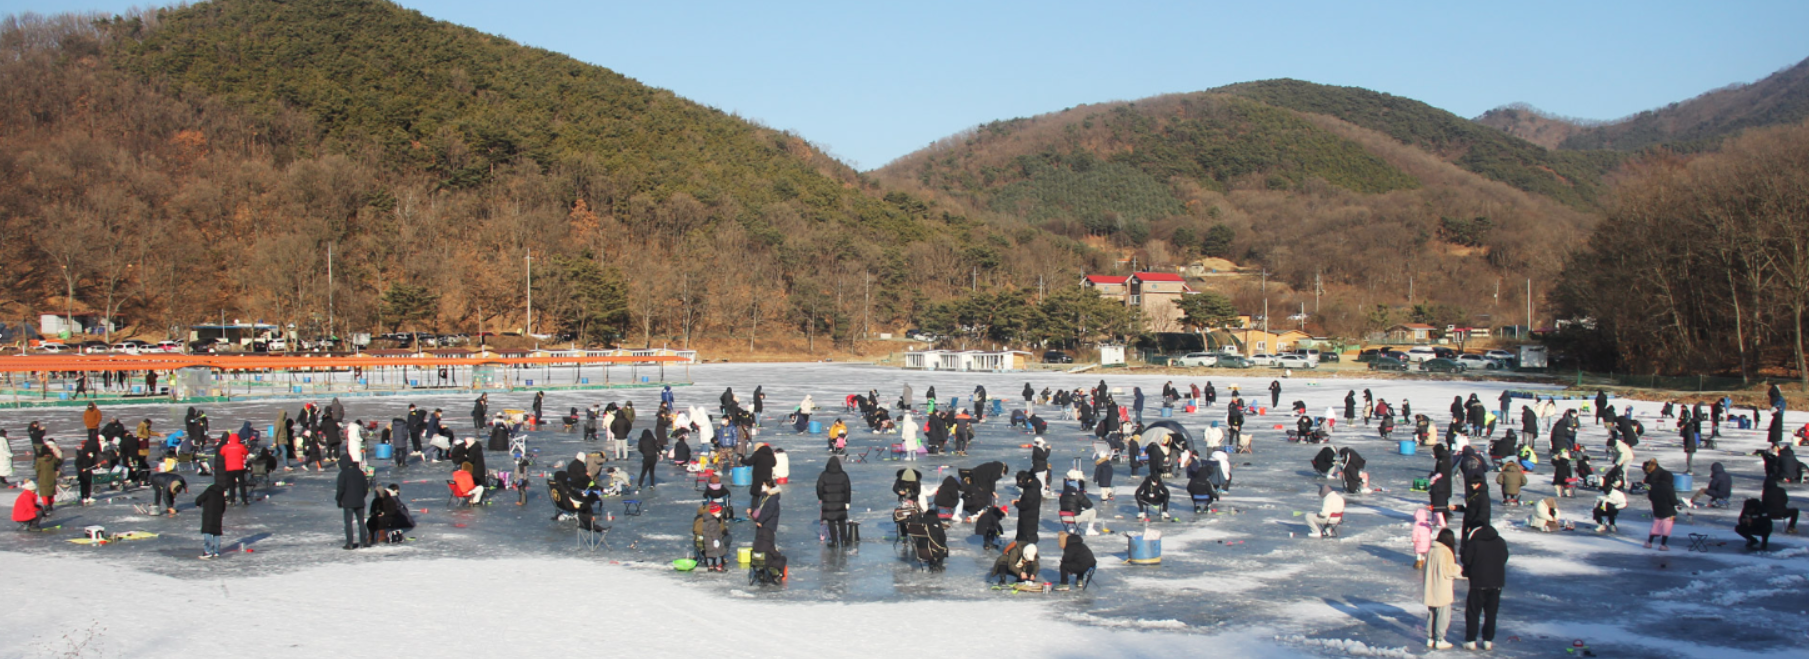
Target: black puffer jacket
point(834, 490)
point(1485, 558)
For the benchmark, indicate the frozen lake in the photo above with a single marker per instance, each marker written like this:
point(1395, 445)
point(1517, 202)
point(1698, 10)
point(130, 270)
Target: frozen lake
point(1236, 582)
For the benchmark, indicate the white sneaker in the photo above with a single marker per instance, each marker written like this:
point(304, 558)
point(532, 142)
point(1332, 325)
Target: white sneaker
point(1469, 645)
point(1441, 645)
point(1488, 645)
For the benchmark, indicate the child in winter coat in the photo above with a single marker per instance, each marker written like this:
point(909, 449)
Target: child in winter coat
point(1561, 479)
point(1607, 507)
point(1426, 524)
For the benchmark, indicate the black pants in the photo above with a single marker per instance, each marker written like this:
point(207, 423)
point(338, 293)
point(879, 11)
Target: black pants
point(1483, 602)
point(1607, 512)
point(354, 526)
point(646, 477)
point(837, 531)
point(414, 438)
point(158, 496)
point(1790, 515)
point(1274, 401)
point(86, 478)
point(241, 482)
point(1753, 538)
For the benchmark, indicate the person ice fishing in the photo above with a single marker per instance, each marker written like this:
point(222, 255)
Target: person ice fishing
point(1029, 506)
point(1663, 495)
point(1152, 494)
point(1077, 559)
point(1330, 515)
point(212, 503)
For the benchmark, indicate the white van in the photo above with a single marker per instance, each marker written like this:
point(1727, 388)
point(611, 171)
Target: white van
point(1419, 354)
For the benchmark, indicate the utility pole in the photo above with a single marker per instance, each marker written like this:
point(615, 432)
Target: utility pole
point(1410, 289)
point(329, 294)
point(530, 261)
point(1265, 300)
point(974, 287)
point(1318, 289)
point(1039, 289)
point(1529, 307)
point(867, 300)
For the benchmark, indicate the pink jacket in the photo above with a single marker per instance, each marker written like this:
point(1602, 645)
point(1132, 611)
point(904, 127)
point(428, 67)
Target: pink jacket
point(1425, 525)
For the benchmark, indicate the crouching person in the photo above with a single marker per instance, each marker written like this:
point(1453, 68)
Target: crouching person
point(1077, 560)
point(1018, 563)
point(464, 487)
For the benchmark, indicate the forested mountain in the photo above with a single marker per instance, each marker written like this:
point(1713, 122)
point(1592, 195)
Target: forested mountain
point(201, 161)
point(1698, 123)
point(1375, 198)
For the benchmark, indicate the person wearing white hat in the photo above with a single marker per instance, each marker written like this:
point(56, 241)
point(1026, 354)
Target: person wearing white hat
point(26, 509)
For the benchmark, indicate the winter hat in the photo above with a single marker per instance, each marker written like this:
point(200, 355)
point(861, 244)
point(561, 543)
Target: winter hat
point(1030, 552)
point(29, 485)
point(1324, 490)
point(580, 455)
point(1039, 441)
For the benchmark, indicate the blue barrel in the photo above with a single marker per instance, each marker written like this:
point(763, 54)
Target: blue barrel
point(1683, 483)
point(295, 389)
point(816, 427)
point(583, 380)
point(741, 476)
point(1168, 412)
point(307, 379)
point(1145, 552)
point(643, 379)
point(1408, 447)
point(414, 383)
point(385, 452)
point(530, 383)
point(137, 389)
point(270, 431)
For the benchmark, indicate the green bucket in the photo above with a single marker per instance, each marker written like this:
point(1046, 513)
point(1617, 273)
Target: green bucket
point(684, 565)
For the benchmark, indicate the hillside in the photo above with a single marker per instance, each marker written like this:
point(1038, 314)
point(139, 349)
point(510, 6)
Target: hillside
point(200, 161)
point(1305, 195)
point(1571, 178)
point(1701, 122)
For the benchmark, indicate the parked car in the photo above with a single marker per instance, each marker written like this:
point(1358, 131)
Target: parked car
point(1295, 361)
point(1330, 356)
point(1445, 353)
point(1234, 361)
point(1442, 365)
point(277, 345)
point(1369, 355)
point(1262, 359)
point(1195, 360)
point(1471, 361)
point(1419, 354)
point(169, 346)
point(1507, 359)
point(1309, 353)
point(1387, 363)
point(1057, 357)
point(53, 347)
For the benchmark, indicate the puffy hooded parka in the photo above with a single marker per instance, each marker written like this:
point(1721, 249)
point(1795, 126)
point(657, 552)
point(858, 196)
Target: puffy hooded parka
point(1661, 492)
point(834, 490)
point(1511, 478)
point(1485, 558)
point(949, 494)
point(1720, 485)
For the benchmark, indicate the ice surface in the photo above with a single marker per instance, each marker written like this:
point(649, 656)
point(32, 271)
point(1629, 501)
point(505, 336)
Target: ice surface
point(1238, 579)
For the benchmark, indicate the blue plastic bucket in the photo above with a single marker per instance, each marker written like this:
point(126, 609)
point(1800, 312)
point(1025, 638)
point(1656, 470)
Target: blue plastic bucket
point(1168, 412)
point(816, 427)
point(1145, 552)
point(741, 476)
point(1683, 483)
point(385, 452)
point(1408, 447)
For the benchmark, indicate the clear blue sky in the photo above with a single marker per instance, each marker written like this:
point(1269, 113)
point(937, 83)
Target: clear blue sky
point(873, 81)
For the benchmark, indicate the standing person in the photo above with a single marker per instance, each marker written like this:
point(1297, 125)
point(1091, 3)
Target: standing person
point(349, 494)
point(1601, 406)
point(1350, 406)
point(1136, 402)
point(417, 426)
point(1440, 577)
point(480, 411)
point(87, 458)
point(1274, 394)
point(91, 419)
point(1663, 495)
point(6, 459)
point(232, 459)
point(834, 491)
point(1506, 402)
point(212, 503)
point(650, 456)
point(1485, 565)
point(539, 404)
point(765, 514)
point(48, 463)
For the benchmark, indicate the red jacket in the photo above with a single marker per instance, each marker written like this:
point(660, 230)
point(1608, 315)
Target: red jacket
point(233, 454)
point(25, 508)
